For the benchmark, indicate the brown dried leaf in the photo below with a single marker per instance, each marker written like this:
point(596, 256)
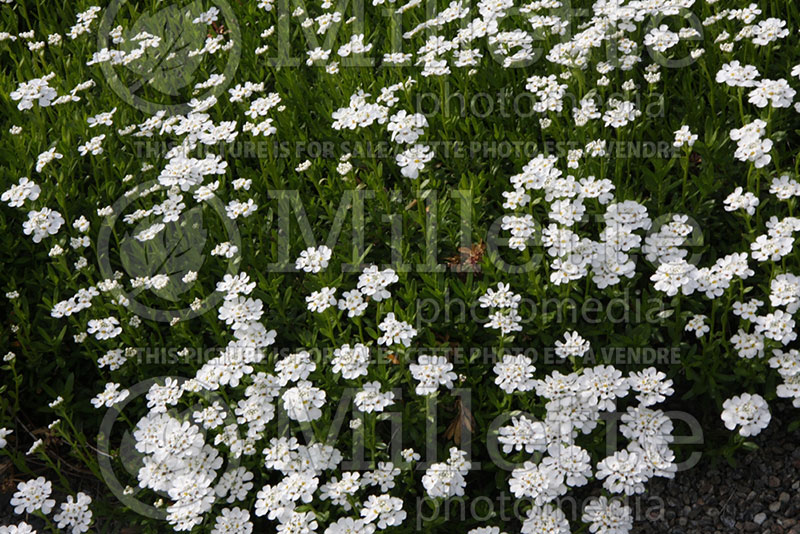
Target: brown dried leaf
point(464, 419)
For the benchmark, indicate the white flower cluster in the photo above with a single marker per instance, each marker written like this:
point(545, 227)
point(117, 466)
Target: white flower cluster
point(36, 91)
point(504, 304)
point(184, 456)
point(748, 412)
point(788, 365)
point(750, 143)
point(574, 406)
point(32, 496)
point(573, 255)
point(446, 479)
point(41, 223)
point(405, 128)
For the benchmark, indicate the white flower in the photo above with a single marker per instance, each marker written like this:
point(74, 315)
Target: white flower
point(409, 455)
point(777, 325)
point(239, 312)
point(395, 332)
point(24, 190)
point(608, 517)
point(371, 399)
point(406, 128)
point(750, 145)
point(650, 386)
point(107, 328)
point(93, 146)
point(233, 520)
point(353, 302)
point(385, 509)
point(446, 479)
point(105, 119)
point(294, 367)
point(313, 260)
point(506, 321)
point(348, 525)
point(571, 461)
point(20, 528)
point(697, 324)
point(431, 372)
point(547, 518)
point(661, 38)
point(383, 476)
point(623, 472)
point(738, 200)
point(648, 427)
point(572, 346)
point(42, 223)
point(75, 514)
point(235, 209)
point(503, 297)
point(4, 433)
point(684, 137)
point(523, 433)
point(351, 362)
point(36, 90)
point(736, 75)
point(784, 187)
point(321, 300)
point(110, 396)
point(46, 157)
point(514, 373)
point(674, 276)
point(769, 30)
point(413, 160)
point(541, 483)
point(32, 495)
point(226, 250)
point(776, 93)
point(787, 363)
point(750, 412)
point(303, 402)
point(374, 283)
point(338, 491)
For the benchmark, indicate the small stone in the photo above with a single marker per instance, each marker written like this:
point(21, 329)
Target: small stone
point(774, 507)
point(773, 482)
point(750, 527)
point(784, 497)
point(727, 521)
point(760, 518)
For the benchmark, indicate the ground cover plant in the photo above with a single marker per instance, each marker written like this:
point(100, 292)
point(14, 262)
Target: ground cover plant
point(361, 266)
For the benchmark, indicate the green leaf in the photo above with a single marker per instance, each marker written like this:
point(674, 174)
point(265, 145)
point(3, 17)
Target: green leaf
point(168, 68)
point(174, 251)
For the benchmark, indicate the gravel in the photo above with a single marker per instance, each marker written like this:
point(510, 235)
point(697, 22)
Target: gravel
point(761, 494)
